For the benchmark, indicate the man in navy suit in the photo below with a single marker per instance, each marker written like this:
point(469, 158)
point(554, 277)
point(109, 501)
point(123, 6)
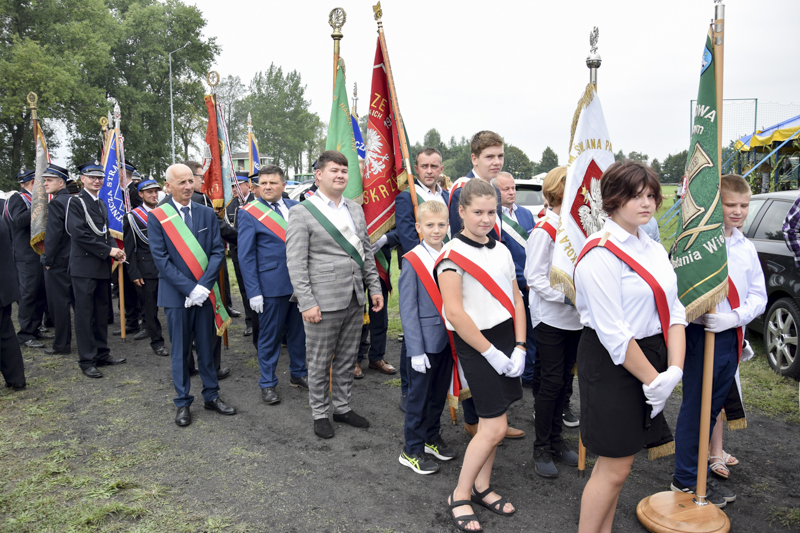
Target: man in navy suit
point(262, 260)
point(184, 297)
point(517, 224)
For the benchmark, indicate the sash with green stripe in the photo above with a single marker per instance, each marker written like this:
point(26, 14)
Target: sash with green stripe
point(514, 230)
point(267, 216)
point(333, 231)
point(383, 268)
point(193, 255)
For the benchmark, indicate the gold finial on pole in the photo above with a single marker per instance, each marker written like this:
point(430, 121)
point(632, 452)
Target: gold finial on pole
point(212, 78)
point(103, 124)
point(378, 12)
point(32, 99)
point(336, 19)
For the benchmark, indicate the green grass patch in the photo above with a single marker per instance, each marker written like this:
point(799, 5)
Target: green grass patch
point(763, 389)
point(392, 382)
point(786, 516)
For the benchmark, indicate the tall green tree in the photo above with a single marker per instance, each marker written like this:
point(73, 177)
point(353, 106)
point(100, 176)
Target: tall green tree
point(230, 93)
point(282, 122)
point(549, 161)
point(673, 167)
point(53, 49)
point(517, 163)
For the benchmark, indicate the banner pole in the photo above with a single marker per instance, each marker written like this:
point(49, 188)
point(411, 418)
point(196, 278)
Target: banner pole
point(336, 19)
point(121, 302)
point(222, 297)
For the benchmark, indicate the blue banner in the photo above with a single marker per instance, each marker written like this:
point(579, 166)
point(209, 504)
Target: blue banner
point(111, 192)
point(255, 160)
point(361, 150)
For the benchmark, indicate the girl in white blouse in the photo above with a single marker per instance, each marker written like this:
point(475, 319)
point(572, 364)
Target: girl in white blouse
point(483, 308)
point(631, 352)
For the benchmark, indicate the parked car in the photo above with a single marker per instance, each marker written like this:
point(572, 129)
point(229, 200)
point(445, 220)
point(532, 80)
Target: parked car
point(529, 195)
point(779, 324)
point(299, 189)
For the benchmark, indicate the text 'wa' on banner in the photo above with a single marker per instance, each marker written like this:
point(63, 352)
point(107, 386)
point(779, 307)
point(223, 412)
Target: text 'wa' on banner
point(111, 192)
point(590, 154)
point(341, 138)
point(384, 172)
point(698, 255)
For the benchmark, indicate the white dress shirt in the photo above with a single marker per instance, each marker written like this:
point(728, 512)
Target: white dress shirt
point(485, 310)
point(615, 301)
point(509, 212)
point(745, 271)
point(179, 206)
point(427, 194)
point(546, 303)
point(339, 214)
point(282, 209)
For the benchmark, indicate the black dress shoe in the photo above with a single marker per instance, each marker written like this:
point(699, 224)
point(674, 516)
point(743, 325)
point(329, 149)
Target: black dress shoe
point(194, 372)
point(33, 343)
point(223, 373)
point(52, 351)
point(323, 428)
point(128, 329)
point(269, 395)
point(219, 406)
point(92, 372)
point(248, 331)
point(301, 382)
point(234, 313)
point(110, 361)
point(350, 417)
point(15, 387)
point(183, 417)
point(161, 351)
point(43, 329)
point(141, 335)
point(45, 335)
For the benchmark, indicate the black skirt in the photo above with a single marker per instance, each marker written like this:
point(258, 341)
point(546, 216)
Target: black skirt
point(615, 418)
point(492, 393)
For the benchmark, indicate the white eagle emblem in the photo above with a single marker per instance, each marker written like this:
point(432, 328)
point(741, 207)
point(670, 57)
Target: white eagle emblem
point(591, 213)
point(376, 160)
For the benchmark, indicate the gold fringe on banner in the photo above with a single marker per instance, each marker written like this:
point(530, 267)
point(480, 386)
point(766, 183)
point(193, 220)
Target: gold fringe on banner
point(661, 451)
point(702, 305)
point(36, 240)
point(218, 203)
point(221, 330)
point(739, 423)
point(583, 103)
point(366, 319)
point(561, 281)
point(464, 394)
point(380, 230)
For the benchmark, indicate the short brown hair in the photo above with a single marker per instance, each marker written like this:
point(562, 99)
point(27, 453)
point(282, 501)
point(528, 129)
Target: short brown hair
point(483, 140)
point(194, 166)
point(735, 184)
point(625, 179)
point(475, 187)
point(427, 151)
point(331, 156)
point(553, 186)
point(271, 169)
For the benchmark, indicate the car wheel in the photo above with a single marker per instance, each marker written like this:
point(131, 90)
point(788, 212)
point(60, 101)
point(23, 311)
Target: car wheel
point(780, 337)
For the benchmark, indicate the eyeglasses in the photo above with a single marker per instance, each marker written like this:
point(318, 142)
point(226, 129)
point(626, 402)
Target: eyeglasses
point(198, 176)
point(94, 178)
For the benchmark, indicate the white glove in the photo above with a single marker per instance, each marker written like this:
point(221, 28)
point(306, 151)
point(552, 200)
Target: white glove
point(517, 363)
point(257, 303)
point(198, 295)
point(379, 244)
point(188, 303)
point(660, 389)
point(420, 363)
point(719, 322)
point(499, 361)
point(747, 351)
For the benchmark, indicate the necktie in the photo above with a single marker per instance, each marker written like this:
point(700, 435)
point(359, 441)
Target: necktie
point(187, 218)
point(274, 206)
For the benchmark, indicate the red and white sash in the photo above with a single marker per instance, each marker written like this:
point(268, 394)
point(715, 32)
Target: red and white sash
point(658, 292)
point(547, 226)
point(733, 299)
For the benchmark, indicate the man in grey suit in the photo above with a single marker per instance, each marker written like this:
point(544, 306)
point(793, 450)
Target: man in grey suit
point(330, 264)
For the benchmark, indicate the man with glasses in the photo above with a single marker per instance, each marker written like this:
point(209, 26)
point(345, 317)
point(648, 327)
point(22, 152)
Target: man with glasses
point(90, 269)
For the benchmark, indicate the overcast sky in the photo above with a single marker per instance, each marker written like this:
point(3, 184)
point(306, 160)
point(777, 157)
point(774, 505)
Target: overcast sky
point(518, 68)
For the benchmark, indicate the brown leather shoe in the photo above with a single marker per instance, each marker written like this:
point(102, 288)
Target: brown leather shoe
point(383, 367)
point(514, 433)
point(358, 374)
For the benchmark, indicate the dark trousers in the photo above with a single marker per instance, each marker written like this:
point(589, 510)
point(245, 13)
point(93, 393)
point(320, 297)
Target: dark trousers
point(280, 314)
point(11, 365)
point(226, 277)
point(32, 299)
point(687, 429)
point(216, 350)
point(184, 324)
point(427, 394)
point(59, 298)
point(248, 313)
point(378, 327)
point(530, 340)
point(151, 321)
point(555, 357)
point(91, 325)
point(132, 301)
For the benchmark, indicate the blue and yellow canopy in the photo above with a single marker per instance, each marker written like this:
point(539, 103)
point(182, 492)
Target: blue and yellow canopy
point(777, 133)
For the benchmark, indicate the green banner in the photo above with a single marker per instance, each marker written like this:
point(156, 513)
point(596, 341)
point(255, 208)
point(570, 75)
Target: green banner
point(341, 138)
point(698, 254)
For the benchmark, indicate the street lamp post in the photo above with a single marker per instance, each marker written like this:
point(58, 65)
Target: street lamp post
point(171, 111)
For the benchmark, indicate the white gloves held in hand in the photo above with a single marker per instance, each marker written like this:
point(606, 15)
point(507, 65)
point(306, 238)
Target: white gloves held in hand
point(719, 322)
point(379, 244)
point(198, 295)
point(661, 388)
point(420, 363)
point(747, 351)
point(257, 303)
point(499, 361)
point(517, 363)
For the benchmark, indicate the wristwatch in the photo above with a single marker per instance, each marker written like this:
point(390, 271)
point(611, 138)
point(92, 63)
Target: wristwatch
point(520, 343)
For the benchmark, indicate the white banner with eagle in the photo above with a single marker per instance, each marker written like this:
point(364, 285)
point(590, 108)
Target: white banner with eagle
point(590, 154)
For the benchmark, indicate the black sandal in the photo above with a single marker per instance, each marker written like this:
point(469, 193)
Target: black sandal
point(463, 519)
point(495, 507)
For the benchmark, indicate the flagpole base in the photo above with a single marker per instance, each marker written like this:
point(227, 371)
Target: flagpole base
point(674, 512)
